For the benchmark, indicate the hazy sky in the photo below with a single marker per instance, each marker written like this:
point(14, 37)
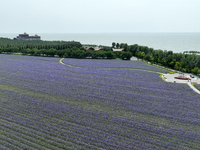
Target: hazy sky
point(99, 16)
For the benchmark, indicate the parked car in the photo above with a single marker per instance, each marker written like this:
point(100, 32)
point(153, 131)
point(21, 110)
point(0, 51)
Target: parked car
point(191, 76)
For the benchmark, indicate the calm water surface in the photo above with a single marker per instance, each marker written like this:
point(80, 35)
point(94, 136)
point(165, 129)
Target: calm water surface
point(177, 42)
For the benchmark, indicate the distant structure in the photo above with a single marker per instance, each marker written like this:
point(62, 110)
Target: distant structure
point(94, 48)
point(118, 50)
point(26, 37)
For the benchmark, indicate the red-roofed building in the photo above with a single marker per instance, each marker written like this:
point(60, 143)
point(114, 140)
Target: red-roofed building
point(89, 48)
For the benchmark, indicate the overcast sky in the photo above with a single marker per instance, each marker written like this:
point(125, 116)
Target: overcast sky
point(99, 16)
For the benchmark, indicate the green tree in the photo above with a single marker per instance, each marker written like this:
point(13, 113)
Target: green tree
point(101, 54)
point(126, 55)
point(177, 66)
point(60, 53)
point(117, 45)
point(43, 52)
point(110, 55)
point(113, 44)
point(142, 55)
point(89, 53)
point(172, 63)
point(32, 51)
point(25, 51)
point(125, 47)
point(163, 61)
point(151, 59)
point(133, 49)
point(78, 54)
point(196, 70)
point(51, 52)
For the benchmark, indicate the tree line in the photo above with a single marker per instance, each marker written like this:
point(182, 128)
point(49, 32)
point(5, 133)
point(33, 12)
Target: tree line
point(186, 61)
point(58, 48)
point(69, 53)
point(61, 45)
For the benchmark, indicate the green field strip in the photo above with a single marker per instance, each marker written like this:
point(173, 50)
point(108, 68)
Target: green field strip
point(54, 135)
point(54, 120)
point(2, 147)
point(24, 141)
point(61, 130)
point(10, 142)
point(25, 136)
point(29, 130)
point(14, 142)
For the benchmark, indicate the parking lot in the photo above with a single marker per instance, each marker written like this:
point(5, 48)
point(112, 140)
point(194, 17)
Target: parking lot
point(170, 78)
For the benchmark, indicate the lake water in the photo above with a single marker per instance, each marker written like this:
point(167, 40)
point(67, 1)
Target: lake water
point(177, 42)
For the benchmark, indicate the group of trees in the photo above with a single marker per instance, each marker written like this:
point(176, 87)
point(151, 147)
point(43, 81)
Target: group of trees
point(186, 61)
point(68, 53)
point(61, 45)
point(60, 48)
point(121, 45)
point(77, 53)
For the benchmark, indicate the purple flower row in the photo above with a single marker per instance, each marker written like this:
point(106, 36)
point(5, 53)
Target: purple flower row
point(104, 63)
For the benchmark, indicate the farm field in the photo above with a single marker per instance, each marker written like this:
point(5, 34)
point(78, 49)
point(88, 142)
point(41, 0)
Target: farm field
point(114, 64)
point(93, 104)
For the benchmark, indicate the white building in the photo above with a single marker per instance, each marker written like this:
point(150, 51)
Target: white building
point(118, 50)
point(26, 37)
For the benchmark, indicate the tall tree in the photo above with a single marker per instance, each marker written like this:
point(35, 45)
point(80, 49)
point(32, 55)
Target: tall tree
point(117, 45)
point(113, 44)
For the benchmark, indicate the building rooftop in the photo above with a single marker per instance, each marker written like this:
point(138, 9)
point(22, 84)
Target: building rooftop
point(26, 36)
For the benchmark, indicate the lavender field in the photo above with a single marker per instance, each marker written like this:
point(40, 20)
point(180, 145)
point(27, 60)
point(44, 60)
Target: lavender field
point(47, 105)
point(115, 63)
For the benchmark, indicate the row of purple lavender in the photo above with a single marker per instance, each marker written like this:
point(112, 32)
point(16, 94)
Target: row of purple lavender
point(114, 63)
point(46, 105)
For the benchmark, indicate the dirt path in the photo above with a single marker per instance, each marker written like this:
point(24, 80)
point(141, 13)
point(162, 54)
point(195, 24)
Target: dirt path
point(60, 61)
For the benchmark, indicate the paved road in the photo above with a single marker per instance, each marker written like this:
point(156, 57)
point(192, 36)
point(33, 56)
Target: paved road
point(197, 91)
